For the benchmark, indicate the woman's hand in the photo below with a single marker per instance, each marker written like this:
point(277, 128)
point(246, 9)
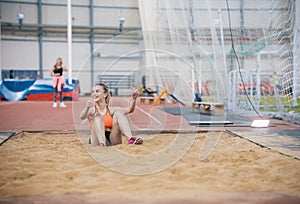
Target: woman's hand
point(65, 68)
point(89, 104)
point(132, 103)
point(86, 111)
point(135, 93)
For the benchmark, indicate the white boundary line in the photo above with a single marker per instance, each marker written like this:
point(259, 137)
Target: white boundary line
point(151, 116)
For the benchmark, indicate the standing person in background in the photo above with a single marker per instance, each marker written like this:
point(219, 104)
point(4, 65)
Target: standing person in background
point(58, 81)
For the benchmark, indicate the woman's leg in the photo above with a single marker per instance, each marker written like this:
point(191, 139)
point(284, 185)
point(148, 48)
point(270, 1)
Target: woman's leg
point(121, 126)
point(115, 135)
point(61, 96)
point(98, 132)
point(62, 105)
point(54, 99)
point(55, 96)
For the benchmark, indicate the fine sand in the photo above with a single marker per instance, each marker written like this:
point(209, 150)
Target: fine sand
point(55, 166)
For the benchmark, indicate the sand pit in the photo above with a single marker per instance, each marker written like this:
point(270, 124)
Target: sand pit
point(56, 166)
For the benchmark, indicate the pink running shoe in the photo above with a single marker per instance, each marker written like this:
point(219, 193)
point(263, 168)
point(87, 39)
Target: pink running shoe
point(134, 140)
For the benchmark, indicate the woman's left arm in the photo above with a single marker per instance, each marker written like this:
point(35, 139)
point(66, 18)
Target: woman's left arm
point(131, 107)
point(64, 68)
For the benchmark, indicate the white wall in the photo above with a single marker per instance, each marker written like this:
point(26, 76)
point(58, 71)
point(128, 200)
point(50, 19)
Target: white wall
point(9, 12)
point(19, 55)
point(22, 52)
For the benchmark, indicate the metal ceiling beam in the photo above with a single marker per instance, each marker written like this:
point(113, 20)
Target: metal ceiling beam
point(73, 5)
point(74, 41)
point(74, 26)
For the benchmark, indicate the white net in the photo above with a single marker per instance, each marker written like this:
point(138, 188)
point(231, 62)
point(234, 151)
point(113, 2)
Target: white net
point(174, 60)
point(265, 52)
point(189, 48)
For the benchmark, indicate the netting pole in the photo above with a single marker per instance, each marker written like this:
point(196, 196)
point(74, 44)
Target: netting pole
point(231, 92)
point(192, 27)
point(258, 64)
point(296, 53)
point(233, 88)
point(242, 26)
point(223, 53)
point(69, 41)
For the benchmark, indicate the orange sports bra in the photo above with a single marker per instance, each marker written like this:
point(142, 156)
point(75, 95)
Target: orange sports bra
point(108, 120)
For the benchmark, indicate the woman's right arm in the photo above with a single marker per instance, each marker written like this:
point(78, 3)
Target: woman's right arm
point(86, 111)
point(84, 114)
point(52, 72)
point(64, 67)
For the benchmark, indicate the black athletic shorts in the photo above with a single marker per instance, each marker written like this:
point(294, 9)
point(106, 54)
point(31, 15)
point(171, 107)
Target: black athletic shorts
point(107, 136)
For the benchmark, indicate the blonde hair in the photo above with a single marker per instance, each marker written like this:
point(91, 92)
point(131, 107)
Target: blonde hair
point(61, 61)
point(106, 90)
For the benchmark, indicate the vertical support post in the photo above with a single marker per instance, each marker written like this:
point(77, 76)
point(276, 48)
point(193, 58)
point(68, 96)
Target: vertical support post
point(233, 88)
point(192, 30)
point(224, 54)
point(92, 41)
point(296, 52)
point(242, 13)
point(69, 12)
point(258, 64)
point(222, 43)
point(40, 38)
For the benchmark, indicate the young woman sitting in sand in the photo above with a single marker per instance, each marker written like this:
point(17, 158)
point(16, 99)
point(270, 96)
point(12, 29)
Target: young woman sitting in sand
point(108, 124)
